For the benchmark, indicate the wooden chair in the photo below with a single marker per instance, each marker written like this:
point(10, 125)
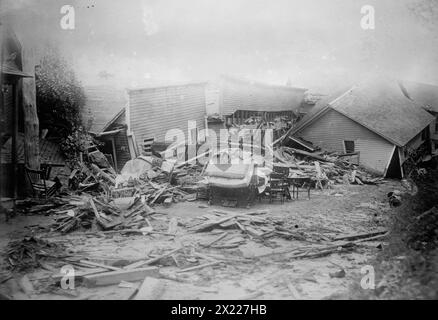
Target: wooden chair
point(41, 186)
point(278, 185)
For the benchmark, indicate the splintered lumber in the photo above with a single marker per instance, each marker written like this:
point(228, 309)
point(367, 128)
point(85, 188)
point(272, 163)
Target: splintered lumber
point(308, 154)
point(141, 263)
point(211, 224)
point(159, 194)
point(228, 224)
point(148, 209)
point(150, 289)
point(93, 206)
point(360, 235)
point(249, 213)
point(223, 235)
point(213, 256)
point(230, 215)
point(103, 174)
point(253, 232)
point(115, 277)
point(209, 264)
point(372, 238)
point(95, 264)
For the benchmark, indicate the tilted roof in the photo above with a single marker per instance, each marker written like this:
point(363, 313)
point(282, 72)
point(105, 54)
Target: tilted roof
point(381, 107)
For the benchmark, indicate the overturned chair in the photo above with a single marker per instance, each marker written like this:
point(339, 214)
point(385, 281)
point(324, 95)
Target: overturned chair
point(232, 184)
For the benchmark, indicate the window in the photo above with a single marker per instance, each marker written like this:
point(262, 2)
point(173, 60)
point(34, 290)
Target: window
point(349, 146)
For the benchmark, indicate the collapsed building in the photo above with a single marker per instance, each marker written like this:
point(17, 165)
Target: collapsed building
point(373, 119)
point(232, 101)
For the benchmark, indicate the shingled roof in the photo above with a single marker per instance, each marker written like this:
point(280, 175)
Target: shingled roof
point(381, 107)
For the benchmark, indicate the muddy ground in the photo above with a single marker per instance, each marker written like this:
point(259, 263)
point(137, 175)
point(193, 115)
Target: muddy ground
point(249, 271)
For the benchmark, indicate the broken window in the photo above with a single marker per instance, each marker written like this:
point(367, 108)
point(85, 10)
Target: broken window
point(349, 146)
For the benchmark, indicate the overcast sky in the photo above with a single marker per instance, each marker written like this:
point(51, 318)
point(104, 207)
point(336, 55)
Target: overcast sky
point(313, 43)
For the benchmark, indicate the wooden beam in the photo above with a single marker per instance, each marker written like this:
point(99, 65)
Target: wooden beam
point(209, 264)
point(141, 263)
point(14, 140)
point(113, 144)
point(114, 277)
point(31, 122)
point(360, 235)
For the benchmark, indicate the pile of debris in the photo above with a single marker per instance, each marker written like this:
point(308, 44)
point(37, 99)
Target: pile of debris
point(27, 253)
point(147, 177)
point(49, 206)
point(324, 168)
point(98, 215)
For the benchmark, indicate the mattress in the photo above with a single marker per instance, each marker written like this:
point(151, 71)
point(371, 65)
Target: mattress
point(231, 171)
point(232, 183)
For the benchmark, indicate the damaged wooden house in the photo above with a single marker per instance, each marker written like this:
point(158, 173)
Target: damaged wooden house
point(375, 120)
point(148, 115)
point(231, 101)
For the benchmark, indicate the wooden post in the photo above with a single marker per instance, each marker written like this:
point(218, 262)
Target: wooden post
point(31, 122)
point(14, 139)
point(113, 145)
point(2, 118)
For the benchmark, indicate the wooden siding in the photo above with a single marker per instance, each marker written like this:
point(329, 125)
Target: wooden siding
point(120, 142)
point(212, 94)
point(102, 103)
point(154, 111)
point(239, 95)
point(332, 128)
point(374, 154)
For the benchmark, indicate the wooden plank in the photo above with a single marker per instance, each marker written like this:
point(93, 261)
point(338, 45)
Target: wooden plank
point(141, 263)
point(360, 235)
point(115, 277)
point(95, 264)
point(150, 289)
point(200, 266)
point(29, 107)
point(223, 235)
point(93, 206)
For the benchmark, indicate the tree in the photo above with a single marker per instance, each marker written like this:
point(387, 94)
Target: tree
point(60, 99)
